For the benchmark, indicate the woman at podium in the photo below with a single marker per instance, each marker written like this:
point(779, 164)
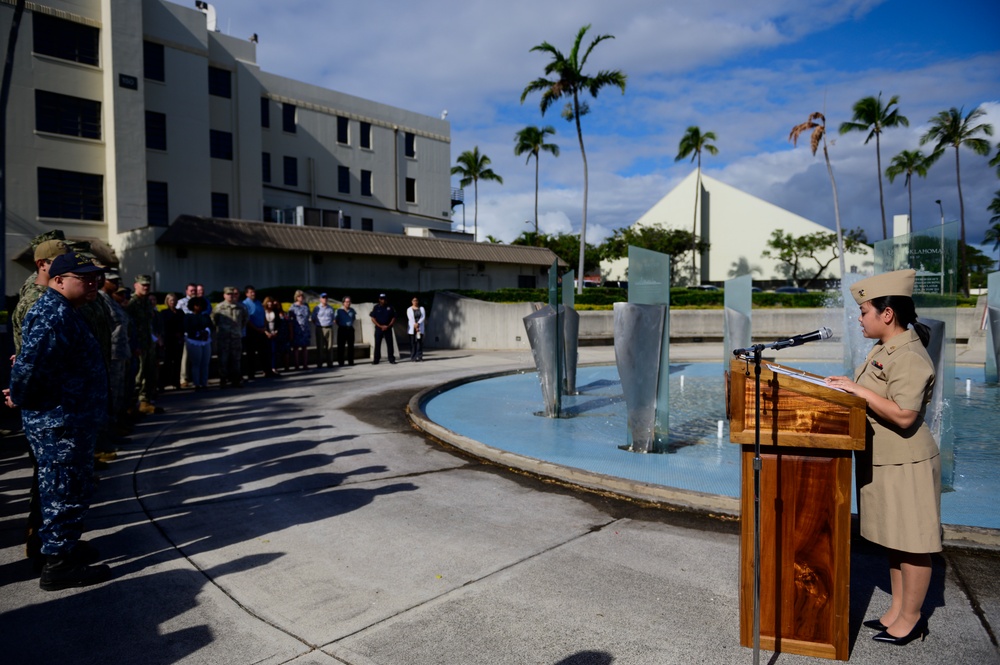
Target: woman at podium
point(899, 474)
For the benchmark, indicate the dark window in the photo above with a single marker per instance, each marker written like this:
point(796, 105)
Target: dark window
point(288, 117)
point(156, 203)
point(220, 144)
point(62, 114)
point(64, 39)
point(156, 130)
point(265, 166)
point(344, 179)
point(154, 65)
point(367, 224)
point(411, 144)
point(526, 281)
point(366, 183)
point(291, 171)
point(366, 135)
point(270, 214)
point(411, 190)
point(70, 195)
point(220, 82)
point(343, 130)
point(347, 222)
point(265, 112)
point(220, 205)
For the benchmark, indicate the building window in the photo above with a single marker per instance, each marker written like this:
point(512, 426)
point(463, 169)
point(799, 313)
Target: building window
point(366, 135)
point(70, 195)
point(156, 130)
point(220, 144)
point(291, 171)
point(64, 39)
point(288, 118)
point(154, 65)
point(70, 116)
point(156, 203)
point(410, 144)
point(366, 183)
point(220, 82)
point(220, 205)
point(527, 282)
point(411, 190)
point(265, 166)
point(367, 224)
point(265, 112)
point(343, 130)
point(344, 179)
point(347, 222)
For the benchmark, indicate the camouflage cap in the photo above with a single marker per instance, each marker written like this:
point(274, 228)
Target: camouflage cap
point(50, 249)
point(54, 234)
point(125, 291)
point(143, 279)
point(112, 275)
point(231, 289)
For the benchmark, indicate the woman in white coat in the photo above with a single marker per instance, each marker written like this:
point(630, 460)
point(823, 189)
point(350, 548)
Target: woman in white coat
point(415, 317)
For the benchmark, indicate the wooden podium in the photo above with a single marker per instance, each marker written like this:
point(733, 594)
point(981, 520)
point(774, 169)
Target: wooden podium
point(807, 433)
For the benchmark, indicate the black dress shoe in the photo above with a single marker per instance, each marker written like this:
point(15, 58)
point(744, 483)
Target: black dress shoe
point(919, 630)
point(874, 624)
point(66, 572)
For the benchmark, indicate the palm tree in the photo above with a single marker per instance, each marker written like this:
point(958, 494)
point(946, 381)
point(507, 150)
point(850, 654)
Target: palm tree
point(949, 128)
point(909, 162)
point(692, 143)
point(571, 82)
point(996, 160)
point(993, 233)
point(870, 116)
point(472, 166)
point(817, 123)
point(531, 140)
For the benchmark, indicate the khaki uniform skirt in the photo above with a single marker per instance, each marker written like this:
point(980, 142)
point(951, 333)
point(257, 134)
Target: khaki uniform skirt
point(901, 506)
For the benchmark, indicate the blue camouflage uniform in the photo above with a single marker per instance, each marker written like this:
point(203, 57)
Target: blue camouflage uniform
point(61, 385)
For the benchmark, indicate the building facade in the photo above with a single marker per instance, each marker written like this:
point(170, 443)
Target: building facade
point(126, 114)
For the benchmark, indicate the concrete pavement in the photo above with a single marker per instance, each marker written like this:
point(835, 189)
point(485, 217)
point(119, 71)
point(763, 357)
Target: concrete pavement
point(303, 520)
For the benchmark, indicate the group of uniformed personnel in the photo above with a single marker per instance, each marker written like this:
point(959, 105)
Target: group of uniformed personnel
point(77, 334)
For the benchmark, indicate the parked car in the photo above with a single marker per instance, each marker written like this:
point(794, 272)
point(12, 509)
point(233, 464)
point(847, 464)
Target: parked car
point(790, 289)
point(705, 287)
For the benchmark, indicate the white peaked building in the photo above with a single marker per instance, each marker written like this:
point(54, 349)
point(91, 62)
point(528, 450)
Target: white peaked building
point(737, 226)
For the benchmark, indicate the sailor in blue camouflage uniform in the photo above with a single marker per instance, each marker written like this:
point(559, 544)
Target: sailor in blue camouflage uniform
point(60, 384)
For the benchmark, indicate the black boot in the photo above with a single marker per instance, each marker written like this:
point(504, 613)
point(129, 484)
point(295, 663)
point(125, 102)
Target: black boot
point(66, 571)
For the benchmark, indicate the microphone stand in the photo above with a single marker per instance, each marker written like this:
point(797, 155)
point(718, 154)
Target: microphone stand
point(755, 352)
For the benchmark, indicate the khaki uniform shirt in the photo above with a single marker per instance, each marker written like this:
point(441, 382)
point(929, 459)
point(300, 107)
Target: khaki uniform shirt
point(900, 369)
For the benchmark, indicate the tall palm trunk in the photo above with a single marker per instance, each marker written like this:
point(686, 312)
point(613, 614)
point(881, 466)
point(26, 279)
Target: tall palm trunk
point(909, 191)
point(583, 224)
point(961, 216)
point(536, 196)
point(836, 213)
point(881, 197)
point(475, 215)
point(694, 226)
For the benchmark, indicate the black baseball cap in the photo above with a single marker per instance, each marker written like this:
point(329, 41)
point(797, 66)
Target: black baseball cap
point(72, 262)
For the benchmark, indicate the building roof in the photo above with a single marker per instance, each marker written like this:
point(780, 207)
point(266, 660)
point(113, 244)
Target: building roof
point(189, 230)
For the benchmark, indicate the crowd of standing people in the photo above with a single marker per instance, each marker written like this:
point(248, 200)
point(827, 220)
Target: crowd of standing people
point(91, 356)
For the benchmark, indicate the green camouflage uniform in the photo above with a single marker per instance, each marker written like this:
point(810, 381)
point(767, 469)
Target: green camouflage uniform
point(230, 319)
point(142, 312)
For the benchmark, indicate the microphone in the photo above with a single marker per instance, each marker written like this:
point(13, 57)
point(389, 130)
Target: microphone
point(798, 340)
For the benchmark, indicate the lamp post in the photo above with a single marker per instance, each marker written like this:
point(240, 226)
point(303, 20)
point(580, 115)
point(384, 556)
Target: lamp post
point(941, 208)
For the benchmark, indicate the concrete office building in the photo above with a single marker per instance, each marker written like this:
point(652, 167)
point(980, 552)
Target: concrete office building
point(737, 227)
point(126, 116)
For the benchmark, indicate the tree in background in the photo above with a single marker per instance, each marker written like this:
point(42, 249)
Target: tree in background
point(817, 125)
point(564, 245)
point(870, 116)
point(993, 233)
point(996, 160)
point(909, 162)
point(693, 143)
point(950, 129)
point(474, 167)
point(571, 82)
point(794, 252)
point(673, 242)
point(531, 140)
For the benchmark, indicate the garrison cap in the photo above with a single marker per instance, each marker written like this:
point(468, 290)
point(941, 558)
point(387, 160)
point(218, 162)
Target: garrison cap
point(895, 283)
point(50, 249)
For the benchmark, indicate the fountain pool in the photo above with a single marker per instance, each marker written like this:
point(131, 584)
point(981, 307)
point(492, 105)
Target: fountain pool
point(699, 457)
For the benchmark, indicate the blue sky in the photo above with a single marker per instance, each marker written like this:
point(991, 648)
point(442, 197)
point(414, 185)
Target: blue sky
point(747, 71)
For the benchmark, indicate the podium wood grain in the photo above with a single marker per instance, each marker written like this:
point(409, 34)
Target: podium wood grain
point(808, 433)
